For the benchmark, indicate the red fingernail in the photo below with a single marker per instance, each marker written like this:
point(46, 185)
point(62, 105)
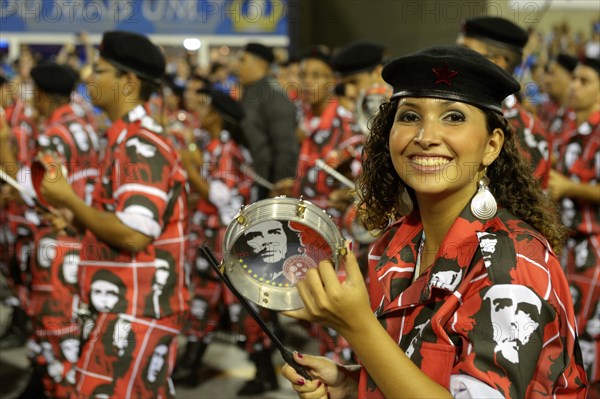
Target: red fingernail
point(299, 355)
point(300, 382)
point(319, 383)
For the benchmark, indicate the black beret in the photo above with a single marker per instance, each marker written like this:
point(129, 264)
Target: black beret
point(357, 57)
point(260, 50)
point(225, 105)
point(593, 63)
point(453, 73)
point(54, 78)
point(318, 52)
point(496, 31)
point(567, 62)
point(135, 53)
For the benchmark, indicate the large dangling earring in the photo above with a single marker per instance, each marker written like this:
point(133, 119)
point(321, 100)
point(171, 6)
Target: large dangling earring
point(483, 204)
point(406, 205)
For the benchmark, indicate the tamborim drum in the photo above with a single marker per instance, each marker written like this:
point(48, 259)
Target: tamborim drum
point(271, 244)
point(367, 104)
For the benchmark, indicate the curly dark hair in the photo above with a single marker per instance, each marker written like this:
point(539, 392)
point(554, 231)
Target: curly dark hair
point(512, 182)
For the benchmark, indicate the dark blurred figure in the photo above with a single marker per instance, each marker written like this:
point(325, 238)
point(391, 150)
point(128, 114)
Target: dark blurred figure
point(270, 121)
point(502, 42)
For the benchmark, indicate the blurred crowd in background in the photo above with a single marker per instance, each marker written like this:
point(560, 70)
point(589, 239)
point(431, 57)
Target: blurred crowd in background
point(324, 92)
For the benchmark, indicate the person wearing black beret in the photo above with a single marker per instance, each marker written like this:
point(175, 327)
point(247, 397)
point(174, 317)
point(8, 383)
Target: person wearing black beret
point(224, 184)
point(358, 65)
point(12, 152)
point(557, 78)
point(317, 82)
point(574, 184)
point(269, 127)
point(18, 132)
point(138, 211)
point(75, 144)
point(502, 41)
point(270, 116)
point(498, 39)
point(332, 137)
point(467, 255)
point(328, 134)
point(53, 84)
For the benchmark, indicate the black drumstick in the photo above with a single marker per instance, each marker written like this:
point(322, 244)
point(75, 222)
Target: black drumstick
point(286, 354)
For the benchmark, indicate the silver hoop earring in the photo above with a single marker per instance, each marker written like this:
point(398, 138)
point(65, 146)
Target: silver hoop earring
point(483, 204)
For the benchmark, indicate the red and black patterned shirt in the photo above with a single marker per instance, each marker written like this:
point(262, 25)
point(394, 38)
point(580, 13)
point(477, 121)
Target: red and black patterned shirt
point(579, 159)
point(24, 129)
point(77, 143)
point(532, 138)
point(335, 139)
point(491, 318)
point(230, 187)
point(143, 183)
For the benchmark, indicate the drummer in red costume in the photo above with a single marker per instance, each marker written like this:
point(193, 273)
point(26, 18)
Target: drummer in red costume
point(575, 185)
point(132, 259)
point(502, 41)
point(19, 221)
point(54, 291)
point(331, 136)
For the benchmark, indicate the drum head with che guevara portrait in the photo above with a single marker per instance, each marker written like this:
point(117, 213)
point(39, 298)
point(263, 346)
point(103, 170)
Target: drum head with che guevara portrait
point(269, 255)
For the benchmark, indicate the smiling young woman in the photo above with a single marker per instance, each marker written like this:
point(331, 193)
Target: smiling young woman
point(474, 297)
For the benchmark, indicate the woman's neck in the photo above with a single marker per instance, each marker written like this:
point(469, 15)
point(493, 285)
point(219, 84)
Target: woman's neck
point(438, 214)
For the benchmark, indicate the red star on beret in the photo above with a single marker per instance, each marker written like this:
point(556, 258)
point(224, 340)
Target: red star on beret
point(443, 75)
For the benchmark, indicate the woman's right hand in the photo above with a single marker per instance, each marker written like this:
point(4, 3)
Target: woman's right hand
point(330, 380)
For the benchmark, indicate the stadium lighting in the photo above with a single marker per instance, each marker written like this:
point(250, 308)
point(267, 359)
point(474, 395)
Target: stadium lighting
point(192, 44)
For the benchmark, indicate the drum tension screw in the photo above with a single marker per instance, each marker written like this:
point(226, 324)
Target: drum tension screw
point(241, 220)
point(343, 251)
point(300, 210)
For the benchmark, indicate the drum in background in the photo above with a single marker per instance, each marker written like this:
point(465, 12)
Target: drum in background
point(367, 105)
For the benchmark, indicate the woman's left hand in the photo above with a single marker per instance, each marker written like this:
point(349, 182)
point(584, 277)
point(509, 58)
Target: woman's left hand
point(330, 302)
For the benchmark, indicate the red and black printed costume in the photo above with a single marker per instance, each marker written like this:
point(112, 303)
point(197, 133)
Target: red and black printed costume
point(229, 189)
point(19, 220)
point(534, 142)
point(142, 182)
point(579, 160)
point(337, 140)
point(54, 299)
point(490, 318)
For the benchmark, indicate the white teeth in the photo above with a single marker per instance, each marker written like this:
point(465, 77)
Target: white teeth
point(430, 161)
